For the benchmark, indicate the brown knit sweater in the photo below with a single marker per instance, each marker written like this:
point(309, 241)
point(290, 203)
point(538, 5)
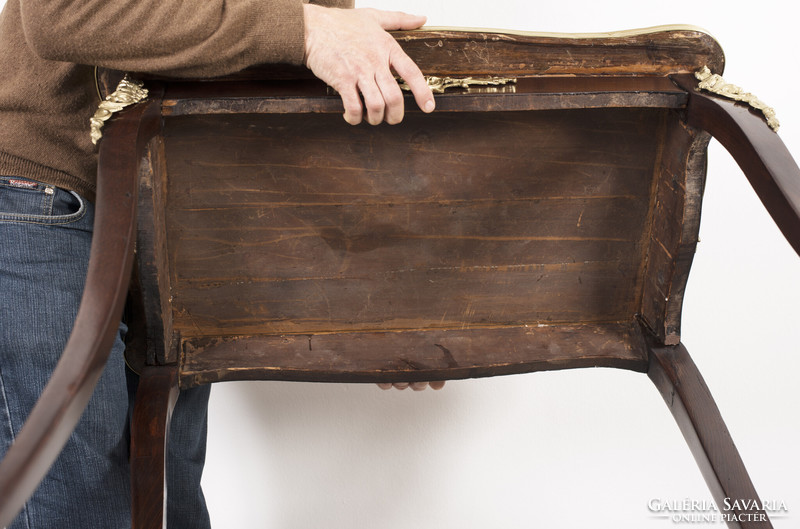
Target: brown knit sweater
point(48, 49)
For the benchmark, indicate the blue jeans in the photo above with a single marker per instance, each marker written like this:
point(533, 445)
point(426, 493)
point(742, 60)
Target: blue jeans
point(45, 237)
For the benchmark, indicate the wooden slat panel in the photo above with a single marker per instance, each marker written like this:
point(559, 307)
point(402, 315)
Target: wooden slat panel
point(413, 355)
point(680, 180)
point(321, 159)
point(305, 224)
point(533, 93)
point(416, 299)
point(217, 242)
point(151, 250)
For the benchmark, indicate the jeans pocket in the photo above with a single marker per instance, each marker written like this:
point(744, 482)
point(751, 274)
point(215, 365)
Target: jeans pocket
point(24, 200)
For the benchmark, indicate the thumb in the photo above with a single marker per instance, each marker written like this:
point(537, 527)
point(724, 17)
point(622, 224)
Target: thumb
point(390, 20)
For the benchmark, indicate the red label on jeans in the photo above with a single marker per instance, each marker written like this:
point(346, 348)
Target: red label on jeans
point(25, 184)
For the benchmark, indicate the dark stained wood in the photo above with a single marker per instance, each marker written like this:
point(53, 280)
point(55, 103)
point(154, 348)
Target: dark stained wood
point(672, 238)
point(155, 399)
point(410, 356)
point(60, 406)
point(447, 51)
point(134, 317)
point(763, 157)
point(688, 398)
point(643, 52)
point(454, 220)
point(537, 93)
point(151, 248)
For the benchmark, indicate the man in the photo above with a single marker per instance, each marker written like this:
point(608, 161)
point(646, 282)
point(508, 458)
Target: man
point(48, 50)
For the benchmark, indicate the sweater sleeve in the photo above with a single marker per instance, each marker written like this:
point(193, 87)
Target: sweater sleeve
point(172, 37)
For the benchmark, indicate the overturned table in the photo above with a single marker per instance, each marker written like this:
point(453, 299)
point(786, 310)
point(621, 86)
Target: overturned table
point(544, 217)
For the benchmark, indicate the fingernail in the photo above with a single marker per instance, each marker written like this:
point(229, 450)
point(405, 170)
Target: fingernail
point(429, 106)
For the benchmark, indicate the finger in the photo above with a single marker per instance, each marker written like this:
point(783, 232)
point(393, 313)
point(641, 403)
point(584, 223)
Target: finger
point(411, 74)
point(352, 105)
point(390, 20)
point(437, 385)
point(373, 100)
point(419, 386)
point(401, 385)
point(385, 385)
point(392, 96)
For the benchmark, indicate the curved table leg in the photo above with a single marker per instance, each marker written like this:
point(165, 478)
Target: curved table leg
point(155, 399)
point(759, 151)
point(677, 378)
point(62, 402)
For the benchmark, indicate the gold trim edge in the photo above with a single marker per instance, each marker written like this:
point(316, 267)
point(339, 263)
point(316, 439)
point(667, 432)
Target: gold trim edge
point(128, 92)
point(715, 84)
point(559, 35)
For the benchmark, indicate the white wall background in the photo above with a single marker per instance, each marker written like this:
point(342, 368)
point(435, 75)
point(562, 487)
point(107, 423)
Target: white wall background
point(558, 449)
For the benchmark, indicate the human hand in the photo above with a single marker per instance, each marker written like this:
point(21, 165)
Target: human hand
point(352, 52)
point(416, 386)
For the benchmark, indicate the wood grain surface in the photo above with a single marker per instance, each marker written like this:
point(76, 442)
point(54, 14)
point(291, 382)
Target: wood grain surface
point(303, 224)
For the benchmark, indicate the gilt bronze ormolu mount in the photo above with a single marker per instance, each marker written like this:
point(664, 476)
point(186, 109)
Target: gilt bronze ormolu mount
point(438, 85)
